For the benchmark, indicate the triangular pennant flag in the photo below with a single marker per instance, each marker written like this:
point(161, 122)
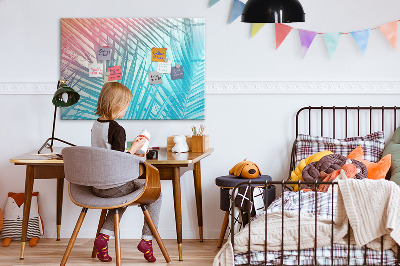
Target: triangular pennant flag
point(361, 37)
point(237, 9)
point(256, 28)
point(306, 39)
point(213, 2)
point(390, 32)
point(281, 31)
point(332, 41)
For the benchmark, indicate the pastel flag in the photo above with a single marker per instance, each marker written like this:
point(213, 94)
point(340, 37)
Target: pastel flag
point(389, 30)
point(332, 41)
point(361, 37)
point(281, 31)
point(256, 28)
point(237, 9)
point(213, 2)
point(306, 39)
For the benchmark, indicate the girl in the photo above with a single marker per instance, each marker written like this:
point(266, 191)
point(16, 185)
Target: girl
point(106, 133)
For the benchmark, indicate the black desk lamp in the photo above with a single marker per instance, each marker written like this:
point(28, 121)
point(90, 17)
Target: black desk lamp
point(64, 96)
point(273, 11)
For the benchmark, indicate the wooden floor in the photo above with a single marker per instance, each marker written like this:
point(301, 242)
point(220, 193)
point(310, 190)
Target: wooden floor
point(50, 252)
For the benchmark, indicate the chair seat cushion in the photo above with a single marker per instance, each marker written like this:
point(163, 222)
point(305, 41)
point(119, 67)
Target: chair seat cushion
point(83, 195)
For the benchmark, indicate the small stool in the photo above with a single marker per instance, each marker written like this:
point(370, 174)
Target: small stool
point(226, 183)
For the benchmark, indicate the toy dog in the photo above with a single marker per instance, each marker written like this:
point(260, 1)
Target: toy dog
point(245, 169)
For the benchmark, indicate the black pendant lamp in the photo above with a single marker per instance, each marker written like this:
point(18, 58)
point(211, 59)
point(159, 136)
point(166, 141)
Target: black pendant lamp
point(273, 11)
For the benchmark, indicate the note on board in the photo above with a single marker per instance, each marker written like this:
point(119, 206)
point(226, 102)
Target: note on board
point(177, 72)
point(158, 54)
point(95, 70)
point(155, 78)
point(164, 67)
point(104, 53)
point(115, 73)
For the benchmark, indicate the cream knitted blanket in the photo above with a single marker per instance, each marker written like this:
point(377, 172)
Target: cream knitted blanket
point(371, 206)
point(373, 209)
point(274, 235)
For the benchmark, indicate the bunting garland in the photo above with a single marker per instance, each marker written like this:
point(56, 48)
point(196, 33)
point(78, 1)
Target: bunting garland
point(213, 2)
point(237, 9)
point(332, 41)
point(256, 28)
point(361, 37)
point(306, 39)
point(281, 31)
point(389, 30)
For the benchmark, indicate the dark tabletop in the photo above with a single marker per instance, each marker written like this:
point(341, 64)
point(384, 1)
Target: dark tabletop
point(230, 181)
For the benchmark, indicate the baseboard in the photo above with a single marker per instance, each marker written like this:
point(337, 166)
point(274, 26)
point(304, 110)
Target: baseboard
point(248, 87)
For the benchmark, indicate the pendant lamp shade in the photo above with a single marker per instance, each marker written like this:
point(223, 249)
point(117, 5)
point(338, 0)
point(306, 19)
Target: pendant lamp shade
point(273, 11)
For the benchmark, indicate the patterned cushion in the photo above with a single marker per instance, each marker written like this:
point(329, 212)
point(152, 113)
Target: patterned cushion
point(372, 144)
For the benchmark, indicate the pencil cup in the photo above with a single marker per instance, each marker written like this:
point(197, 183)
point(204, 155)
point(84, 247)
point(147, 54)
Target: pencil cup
point(200, 143)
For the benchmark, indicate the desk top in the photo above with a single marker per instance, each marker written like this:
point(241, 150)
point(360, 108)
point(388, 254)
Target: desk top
point(164, 157)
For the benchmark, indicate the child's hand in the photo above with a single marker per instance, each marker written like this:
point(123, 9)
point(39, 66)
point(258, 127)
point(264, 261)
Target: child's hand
point(143, 155)
point(137, 144)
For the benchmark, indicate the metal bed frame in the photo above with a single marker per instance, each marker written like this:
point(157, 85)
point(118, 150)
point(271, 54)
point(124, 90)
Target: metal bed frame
point(283, 184)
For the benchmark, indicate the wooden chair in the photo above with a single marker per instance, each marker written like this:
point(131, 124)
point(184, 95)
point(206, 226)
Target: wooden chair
point(85, 167)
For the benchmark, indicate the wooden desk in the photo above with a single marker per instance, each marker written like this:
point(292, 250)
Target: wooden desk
point(168, 164)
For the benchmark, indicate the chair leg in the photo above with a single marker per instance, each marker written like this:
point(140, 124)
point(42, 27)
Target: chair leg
point(73, 237)
point(101, 222)
point(154, 230)
point(117, 239)
point(223, 229)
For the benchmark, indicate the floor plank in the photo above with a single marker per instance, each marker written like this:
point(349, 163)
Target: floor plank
point(50, 252)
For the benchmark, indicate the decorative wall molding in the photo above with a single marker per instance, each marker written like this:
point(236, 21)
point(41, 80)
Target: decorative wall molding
point(303, 87)
point(28, 88)
point(251, 87)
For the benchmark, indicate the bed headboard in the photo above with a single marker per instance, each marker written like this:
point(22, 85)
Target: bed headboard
point(344, 121)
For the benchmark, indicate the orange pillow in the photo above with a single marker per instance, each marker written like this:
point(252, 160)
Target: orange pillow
point(375, 170)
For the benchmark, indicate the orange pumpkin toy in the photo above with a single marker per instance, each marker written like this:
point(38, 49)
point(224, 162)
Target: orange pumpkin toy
point(245, 169)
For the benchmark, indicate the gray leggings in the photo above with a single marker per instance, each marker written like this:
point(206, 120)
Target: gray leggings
point(154, 208)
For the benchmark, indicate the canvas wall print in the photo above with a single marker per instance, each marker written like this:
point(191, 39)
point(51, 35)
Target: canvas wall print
point(161, 60)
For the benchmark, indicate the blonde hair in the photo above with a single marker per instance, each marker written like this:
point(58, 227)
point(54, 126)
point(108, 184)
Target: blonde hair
point(114, 97)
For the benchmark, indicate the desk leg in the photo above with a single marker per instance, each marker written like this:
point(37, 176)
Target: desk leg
point(176, 182)
point(60, 190)
point(199, 204)
point(27, 206)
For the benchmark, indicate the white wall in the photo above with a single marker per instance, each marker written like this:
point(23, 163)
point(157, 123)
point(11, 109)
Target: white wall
point(258, 127)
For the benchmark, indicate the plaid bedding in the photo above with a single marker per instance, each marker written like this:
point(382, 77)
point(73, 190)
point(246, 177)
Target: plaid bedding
point(372, 145)
point(322, 207)
point(324, 257)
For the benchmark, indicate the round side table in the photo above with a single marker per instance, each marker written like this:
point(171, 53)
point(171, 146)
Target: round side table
point(228, 182)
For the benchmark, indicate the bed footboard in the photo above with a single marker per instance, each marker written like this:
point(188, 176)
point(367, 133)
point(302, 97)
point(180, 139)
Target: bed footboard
point(379, 257)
